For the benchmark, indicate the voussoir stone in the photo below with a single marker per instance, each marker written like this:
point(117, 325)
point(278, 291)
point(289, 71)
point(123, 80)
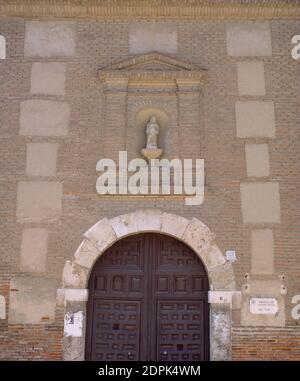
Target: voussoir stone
point(124, 225)
point(173, 225)
point(101, 235)
point(86, 254)
point(74, 275)
point(222, 277)
point(148, 220)
point(198, 236)
point(214, 257)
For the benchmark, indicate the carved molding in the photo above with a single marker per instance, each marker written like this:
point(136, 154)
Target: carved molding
point(187, 9)
point(164, 70)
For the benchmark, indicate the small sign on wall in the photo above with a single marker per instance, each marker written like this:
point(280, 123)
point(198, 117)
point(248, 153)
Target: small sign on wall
point(73, 324)
point(263, 306)
point(231, 255)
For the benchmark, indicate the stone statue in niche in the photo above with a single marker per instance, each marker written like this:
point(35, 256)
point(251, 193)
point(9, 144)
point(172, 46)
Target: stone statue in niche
point(152, 131)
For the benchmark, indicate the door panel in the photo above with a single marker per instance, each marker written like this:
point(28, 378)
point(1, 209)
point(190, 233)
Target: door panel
point(148, 301)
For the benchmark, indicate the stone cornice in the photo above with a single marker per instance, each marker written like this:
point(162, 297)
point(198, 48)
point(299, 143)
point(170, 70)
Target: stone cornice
point(188, 9)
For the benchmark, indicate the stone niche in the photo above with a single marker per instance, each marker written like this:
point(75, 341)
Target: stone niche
point(152, 85)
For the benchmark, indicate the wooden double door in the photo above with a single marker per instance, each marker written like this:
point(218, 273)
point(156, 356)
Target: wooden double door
point(148, 302)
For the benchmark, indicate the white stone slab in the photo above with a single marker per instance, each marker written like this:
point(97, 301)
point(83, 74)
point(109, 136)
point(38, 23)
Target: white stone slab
point(44, 118)
point(257, 160)
point(151, 36)
point(249, 38)
point(262, 252)
point(48, 78)
point(251, 78)
point(49, 38)
point(41, 159)
point(255, 119)
point(260, 202)
point(32, 300)
point(34, 250)
point(2, 48)
point(39, 201)
point(2, 307)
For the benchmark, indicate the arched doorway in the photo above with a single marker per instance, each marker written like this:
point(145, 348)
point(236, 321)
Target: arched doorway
point(148, 301)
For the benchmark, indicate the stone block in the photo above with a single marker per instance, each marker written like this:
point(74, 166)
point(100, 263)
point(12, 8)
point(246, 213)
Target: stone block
point(255, 119)
point(32, 300)
point(262, 256)
point(148, 220)
point(222, 278)
point(251, 78)
point(41, 159)
point(34, 250)
point(39, 201)
point(48, 78)
point(198, 236)
point(86, 254)
point(249, 38)
point(260, 202)
point(74, 275)
point(257, 160)
point(2, 307)
point(173, 225)
point(44, 118)
point(49, 38)
point(151, 36)
point(263, 289)
point(101, 235)
point(124, 225)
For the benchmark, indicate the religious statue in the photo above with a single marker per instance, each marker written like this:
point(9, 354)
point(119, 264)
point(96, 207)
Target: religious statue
point(152, 131)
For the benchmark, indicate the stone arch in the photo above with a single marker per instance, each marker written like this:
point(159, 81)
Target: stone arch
point(107, 231)
point(193, 232)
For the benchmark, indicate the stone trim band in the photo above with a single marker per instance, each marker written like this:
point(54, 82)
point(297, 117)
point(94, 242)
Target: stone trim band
point(188, 9)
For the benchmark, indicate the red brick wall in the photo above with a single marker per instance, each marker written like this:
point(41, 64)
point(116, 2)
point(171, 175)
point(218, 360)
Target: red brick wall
point(266, 343)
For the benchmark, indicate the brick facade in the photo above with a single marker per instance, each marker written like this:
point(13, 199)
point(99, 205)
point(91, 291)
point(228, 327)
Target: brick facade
point(77, 133)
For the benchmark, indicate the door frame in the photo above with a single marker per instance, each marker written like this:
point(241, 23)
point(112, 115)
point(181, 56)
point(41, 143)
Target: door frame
point(72, 297)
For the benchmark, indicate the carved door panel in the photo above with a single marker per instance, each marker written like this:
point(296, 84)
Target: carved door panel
point(148, 301)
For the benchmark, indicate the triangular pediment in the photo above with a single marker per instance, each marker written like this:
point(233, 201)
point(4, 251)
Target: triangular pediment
point(151, 66)
point(152, 61)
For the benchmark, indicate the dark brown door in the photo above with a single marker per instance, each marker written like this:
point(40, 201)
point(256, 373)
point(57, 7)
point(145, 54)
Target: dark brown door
point(148, 301)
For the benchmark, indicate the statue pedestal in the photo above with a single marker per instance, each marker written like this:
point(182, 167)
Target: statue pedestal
point(151, 153)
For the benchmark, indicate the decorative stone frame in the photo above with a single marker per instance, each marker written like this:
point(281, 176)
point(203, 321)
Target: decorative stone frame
point(152, 80)
point(74, 293)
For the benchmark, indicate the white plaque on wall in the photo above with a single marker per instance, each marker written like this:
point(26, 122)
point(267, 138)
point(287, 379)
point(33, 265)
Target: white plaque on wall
point(263, 306)
point(73, 324)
